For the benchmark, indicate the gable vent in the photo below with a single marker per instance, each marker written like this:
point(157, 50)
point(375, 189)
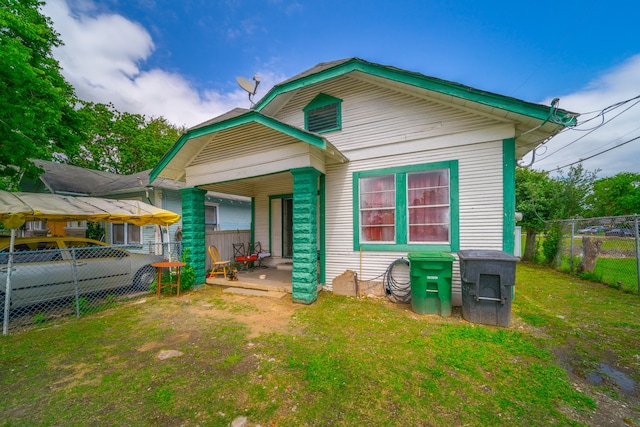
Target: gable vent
point(323, 114)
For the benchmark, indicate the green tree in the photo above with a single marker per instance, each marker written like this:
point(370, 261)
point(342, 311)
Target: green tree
point(572, 191)
point(533, 200)
point(37, 106)
point(541, 198)
point(123, 143)
point(615, 195)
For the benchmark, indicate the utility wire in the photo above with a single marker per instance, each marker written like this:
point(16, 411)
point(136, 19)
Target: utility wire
point(595, 128)
point(612, 142)
point(597, 154)
point(540, 143)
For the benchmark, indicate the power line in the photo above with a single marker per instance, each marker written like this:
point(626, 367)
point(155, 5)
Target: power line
point(597, 154)
point(602, 124)
point(540, 143)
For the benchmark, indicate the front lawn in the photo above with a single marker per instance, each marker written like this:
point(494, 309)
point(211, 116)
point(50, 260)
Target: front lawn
point(208, 357)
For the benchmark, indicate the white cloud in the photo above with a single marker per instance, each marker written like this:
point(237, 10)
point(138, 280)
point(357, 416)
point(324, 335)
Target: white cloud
point(103, 58)
point(618, 84)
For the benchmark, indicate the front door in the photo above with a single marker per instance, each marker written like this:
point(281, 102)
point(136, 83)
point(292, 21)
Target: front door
point(287, 228)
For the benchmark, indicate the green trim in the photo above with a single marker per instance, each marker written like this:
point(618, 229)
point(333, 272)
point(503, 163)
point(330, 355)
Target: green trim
point(401, 212)
point(457, 90)
point(509, 194)
point(323, 230)
point(246, 118)
point(320, 101)
point(253, 220)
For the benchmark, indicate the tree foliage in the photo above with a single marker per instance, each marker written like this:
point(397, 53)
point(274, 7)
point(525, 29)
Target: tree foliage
point(122, 143)
point(37, 106)
point(572, 191)
point(541, 198)
point(533, 191)
point(615, 195)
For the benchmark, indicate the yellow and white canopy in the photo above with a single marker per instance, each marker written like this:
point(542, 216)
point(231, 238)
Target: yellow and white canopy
point(17, 208)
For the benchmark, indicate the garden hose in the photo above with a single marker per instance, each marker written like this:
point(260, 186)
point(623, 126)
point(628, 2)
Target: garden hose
point(398, 292)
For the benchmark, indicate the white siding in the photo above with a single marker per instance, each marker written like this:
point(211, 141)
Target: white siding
point(385, 128)
point(480, 184)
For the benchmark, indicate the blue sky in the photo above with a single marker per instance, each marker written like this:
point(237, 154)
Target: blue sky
point(179, 59)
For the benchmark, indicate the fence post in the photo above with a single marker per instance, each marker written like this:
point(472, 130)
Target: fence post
point(573, 229)
point(635, 223)
point(74, 267)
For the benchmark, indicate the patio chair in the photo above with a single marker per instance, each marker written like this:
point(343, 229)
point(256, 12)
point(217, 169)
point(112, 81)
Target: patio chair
point(243, 257)
point(218, 266)
point(257, 249)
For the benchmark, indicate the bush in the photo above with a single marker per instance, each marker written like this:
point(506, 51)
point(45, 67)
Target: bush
point(188, 273)
point(552, 244)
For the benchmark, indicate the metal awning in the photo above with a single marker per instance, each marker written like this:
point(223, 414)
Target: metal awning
point(17, 208)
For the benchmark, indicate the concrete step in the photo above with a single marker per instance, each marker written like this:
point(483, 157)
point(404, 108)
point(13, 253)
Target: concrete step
point(285, 266)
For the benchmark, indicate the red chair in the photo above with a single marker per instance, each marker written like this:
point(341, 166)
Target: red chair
point(243, 257)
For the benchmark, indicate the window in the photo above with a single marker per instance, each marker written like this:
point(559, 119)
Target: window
point(407, 208)
point(211, 217)
point(77, 224)
point(323, 114)
point(125, 234)
point(428, 204)
point(378, 208)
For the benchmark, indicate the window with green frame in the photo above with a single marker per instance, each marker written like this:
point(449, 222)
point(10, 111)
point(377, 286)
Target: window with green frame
point(323, 114)
point(407, 208)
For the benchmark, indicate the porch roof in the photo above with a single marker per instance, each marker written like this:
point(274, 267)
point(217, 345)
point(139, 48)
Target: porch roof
point(243, 144)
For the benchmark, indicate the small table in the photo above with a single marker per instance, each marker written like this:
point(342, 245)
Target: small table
point(168, 264)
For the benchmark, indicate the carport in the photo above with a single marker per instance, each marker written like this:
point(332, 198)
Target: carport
point(17, 208)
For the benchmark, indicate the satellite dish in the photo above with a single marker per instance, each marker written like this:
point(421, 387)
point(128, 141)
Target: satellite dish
point(249, 87)
point(246, 85)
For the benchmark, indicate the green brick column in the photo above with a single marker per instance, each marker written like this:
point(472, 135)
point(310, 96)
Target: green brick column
point(305, 235)
point(193, 230)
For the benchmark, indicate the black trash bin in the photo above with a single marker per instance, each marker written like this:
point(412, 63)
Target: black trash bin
point(487, 279)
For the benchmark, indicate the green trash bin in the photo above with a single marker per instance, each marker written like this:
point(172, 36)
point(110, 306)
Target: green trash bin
point(430, 274)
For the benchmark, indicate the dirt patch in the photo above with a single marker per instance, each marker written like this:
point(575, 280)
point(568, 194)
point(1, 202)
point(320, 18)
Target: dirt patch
point(258, 313)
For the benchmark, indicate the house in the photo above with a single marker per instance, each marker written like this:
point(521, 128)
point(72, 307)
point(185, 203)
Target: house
point(222, 212)
point(352, 165)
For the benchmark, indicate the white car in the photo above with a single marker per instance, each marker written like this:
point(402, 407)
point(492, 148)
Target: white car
point(44, 268)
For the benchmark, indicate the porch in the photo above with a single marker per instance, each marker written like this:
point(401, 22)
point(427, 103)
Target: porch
point(276, 280)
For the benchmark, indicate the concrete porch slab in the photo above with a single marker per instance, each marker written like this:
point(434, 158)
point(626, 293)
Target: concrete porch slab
point(275, 281)
point(255, 292)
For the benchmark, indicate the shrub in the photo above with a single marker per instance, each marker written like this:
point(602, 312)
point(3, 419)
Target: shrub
point(188, 273)
point(552, 244)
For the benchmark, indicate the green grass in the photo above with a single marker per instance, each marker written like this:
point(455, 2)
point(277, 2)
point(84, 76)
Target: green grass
point(339, 362)
point(619, 273)
point(616, 265)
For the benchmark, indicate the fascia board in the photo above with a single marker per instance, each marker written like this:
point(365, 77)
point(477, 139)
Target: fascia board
point(243, 119)
point(537, 111)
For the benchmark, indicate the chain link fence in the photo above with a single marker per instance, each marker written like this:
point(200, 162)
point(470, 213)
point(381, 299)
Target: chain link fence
point(42, 281)
point(602, 249)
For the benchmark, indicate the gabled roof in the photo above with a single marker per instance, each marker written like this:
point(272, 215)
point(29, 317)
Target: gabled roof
point(233, 119)
point(329, 70)
point(221, 118)
point(545, 120)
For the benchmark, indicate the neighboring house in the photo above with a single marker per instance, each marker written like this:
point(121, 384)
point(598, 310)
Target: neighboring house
point(356, 164)
point(222, 212)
